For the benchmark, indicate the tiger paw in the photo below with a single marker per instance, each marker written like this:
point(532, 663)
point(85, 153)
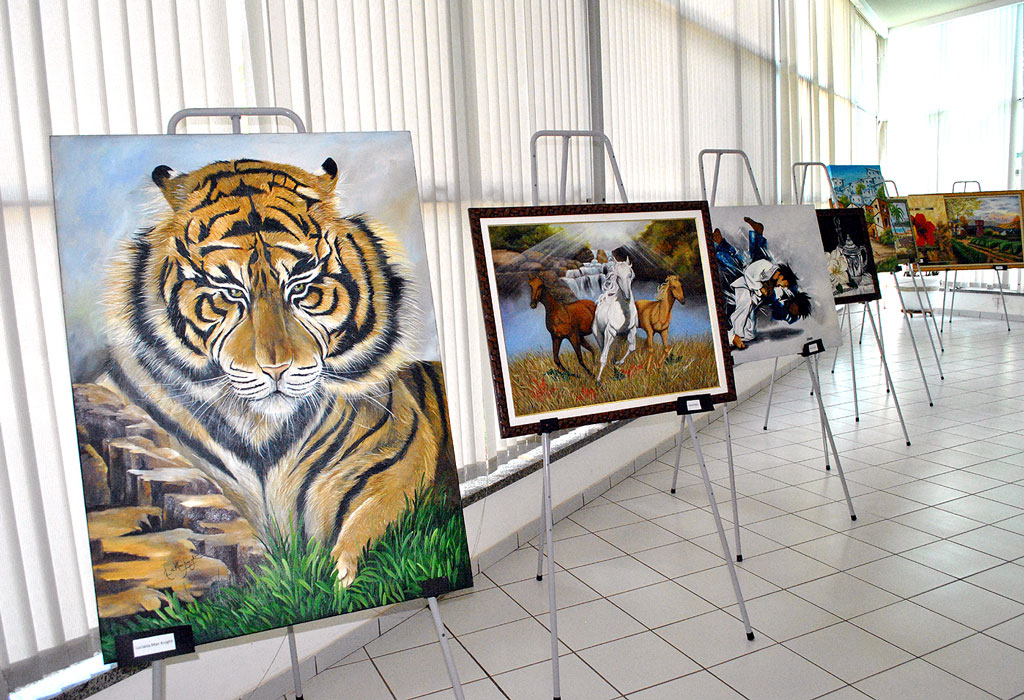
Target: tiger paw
point(347, 565)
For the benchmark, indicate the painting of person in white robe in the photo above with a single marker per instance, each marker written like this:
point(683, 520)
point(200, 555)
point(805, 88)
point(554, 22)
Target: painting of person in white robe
point(756, 283)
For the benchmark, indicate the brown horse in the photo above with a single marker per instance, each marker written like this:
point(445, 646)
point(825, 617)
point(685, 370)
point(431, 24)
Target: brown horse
point(655, 316)
point(570, 321)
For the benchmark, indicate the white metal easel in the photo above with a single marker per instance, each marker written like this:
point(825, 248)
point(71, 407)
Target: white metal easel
point(826, 428)
point(432, 588)
point(847, 318)
point(548, 426)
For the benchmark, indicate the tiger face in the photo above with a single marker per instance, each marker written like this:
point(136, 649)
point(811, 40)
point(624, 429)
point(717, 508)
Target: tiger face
point(255, 277)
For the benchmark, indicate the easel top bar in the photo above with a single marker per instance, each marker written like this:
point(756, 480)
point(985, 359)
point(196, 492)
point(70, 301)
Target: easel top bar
point(718, 153)
point(236, 114)
point(566, 135)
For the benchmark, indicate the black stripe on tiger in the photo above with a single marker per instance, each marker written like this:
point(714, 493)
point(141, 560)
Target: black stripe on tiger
point(145, 332)
point(367, 474)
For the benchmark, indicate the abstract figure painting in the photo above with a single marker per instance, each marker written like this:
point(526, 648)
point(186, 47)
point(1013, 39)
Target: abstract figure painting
point(776, 286)
point(850, 263)
point(863, 186)
point(259, 401)
point(627, 290)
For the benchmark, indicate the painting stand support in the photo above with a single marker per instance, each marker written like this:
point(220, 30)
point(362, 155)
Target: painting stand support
point(547, 543)
point(446, 650)
point(888, 377)
point(771, 390)
point(294, 653)
point(157, 672)
point(927, 312)
point(550, 425)
point(566, 135)
point(847, 318)
point(913, 341)
point(808, 353)
point(999, 269)
point(685, 408)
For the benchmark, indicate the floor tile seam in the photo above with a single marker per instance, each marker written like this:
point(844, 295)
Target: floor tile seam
point(910, 661)
point(380, 675)
point(780, 644)
point(841, 622)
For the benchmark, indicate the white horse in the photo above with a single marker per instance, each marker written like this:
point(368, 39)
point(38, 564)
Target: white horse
point(616, 315)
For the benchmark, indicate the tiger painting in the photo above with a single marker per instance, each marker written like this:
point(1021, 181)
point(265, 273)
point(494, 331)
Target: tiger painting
point(270, 335)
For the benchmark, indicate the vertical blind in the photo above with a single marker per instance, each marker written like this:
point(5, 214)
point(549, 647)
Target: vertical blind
point(828, 85)
point(471, 81)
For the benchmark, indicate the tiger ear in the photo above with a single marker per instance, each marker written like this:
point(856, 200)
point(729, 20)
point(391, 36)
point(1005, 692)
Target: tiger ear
point(330, 177)
point(171, 184)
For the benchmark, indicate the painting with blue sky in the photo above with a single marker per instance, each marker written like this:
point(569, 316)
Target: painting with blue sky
point(259, 401)
point(599, 312)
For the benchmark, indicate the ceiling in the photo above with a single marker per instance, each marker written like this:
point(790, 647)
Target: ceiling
point(895, 13)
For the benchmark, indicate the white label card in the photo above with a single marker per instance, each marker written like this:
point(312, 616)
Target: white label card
point(693, 405)
point(153, 645)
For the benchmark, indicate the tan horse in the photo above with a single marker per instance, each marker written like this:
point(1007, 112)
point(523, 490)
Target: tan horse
point(655, 316)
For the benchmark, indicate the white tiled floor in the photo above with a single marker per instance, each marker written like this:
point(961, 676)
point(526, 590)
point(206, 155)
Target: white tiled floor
point(921, 597)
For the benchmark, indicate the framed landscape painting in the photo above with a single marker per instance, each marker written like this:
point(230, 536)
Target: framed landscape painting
point(985, 228)
point(863, 186)
point(851, 266)
point(599, 312)
point(777, 289)
point(258, 395)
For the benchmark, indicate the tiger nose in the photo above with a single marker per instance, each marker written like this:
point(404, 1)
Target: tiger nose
point(276, 371)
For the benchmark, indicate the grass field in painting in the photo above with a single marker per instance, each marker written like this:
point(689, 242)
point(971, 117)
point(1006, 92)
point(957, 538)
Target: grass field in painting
point(538, 386)
point(298, 581)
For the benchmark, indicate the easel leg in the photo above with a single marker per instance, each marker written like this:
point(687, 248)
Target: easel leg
point(888, 378)
point(721, 530)
point(831, 440)
point(156, 669)
point(446, 650)
point(543, 530)
point(679, 455)
point(853, 373)
point(732, 483)
point(842, 320)
point(294, 652)
point(999, 288)
point(861, 340)
point(821, 422)
point(920, 304)
point(913, 341)
point(878, 313)
point(945, 288)
point(771, 390)
point(952, 298)
point(548, 536)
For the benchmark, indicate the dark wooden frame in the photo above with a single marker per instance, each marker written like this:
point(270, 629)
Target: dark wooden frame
point(857, 214)
point(599, 416)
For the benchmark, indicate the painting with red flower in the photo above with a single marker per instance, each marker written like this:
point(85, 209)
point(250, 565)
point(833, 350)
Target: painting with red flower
point(930, 225)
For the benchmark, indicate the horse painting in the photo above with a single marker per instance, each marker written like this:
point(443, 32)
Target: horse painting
point(656, 315)
point(572, 321)
point(616, 314)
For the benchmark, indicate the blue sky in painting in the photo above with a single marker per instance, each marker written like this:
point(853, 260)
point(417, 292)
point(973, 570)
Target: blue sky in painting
point(103, 193)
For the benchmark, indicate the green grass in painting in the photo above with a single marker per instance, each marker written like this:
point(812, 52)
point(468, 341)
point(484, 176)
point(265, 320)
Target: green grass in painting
point(297, 581)
point(538, 386)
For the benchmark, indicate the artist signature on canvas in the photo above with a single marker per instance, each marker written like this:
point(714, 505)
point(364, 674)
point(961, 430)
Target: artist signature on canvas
point(180, 568)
